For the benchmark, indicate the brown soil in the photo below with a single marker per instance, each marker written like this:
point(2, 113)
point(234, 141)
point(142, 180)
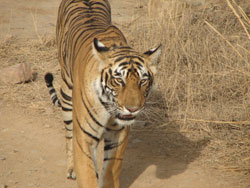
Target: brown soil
point(32, 154)
point(32, 145)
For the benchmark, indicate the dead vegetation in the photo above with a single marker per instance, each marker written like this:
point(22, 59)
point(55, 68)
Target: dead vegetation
point(204, 75)
point(203, 78)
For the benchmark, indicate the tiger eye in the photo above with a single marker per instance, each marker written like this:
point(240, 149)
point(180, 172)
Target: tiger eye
point(143, 81)
point(119, 81)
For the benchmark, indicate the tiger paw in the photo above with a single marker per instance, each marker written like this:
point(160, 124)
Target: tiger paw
point(71, 174)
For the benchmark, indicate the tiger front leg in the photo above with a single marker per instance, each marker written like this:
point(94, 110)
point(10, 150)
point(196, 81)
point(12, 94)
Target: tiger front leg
point(66, 103)
point(115, 143)
point(84, 150)
point(70, 160)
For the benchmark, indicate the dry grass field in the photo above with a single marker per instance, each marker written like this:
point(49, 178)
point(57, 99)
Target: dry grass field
point(204, 75)
point(198, 115)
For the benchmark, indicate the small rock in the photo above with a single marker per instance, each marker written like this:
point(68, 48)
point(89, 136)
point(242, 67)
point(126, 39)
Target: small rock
point(2, 158)
point(18, 73)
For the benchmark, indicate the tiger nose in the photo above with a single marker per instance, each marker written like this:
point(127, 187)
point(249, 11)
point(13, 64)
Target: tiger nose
point(133, 109)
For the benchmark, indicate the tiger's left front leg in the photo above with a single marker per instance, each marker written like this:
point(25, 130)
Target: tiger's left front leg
point(115, 143)
point(84, 148)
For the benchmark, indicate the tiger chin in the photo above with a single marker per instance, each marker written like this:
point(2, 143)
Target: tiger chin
point(105, 84)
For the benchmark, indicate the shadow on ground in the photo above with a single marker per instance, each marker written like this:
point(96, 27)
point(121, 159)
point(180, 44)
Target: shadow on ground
point(167, 152)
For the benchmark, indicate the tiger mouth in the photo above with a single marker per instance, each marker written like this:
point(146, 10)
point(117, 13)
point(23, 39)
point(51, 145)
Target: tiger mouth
point(125, 117)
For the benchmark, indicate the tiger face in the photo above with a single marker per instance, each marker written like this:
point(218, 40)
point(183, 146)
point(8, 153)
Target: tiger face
point(125, 81)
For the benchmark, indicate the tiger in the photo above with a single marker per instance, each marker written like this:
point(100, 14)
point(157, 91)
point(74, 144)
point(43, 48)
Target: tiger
point(105, 84)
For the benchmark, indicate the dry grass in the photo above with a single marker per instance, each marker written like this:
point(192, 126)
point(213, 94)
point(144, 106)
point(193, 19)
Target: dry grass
point(43, 58)
point(204, 74)
point(203, 78)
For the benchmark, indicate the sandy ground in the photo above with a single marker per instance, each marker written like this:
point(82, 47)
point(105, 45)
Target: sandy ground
point(32, 154)
point(32, 149)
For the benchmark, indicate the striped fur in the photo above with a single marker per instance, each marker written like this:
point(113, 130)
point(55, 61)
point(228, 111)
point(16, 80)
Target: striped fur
point(105, 85)
point(49, 82)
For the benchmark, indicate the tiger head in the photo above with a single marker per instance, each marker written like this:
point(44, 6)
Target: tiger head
point(126, 78)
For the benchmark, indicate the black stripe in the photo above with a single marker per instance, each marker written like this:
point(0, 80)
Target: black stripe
point(89, 21)
point(68, 122)
point(87, 133)
point(66, 109)
point(140, 59)
point(65, 96)
point(106, 78)
point(65, 81)
point(138, 64)
point(52, 90)
point(110, 72)
point(68, 128)
point(91, 126)
point(92, 117)
point(105, 104)
point(102, 75)
point(124, 63)
point(66, 103)
point(108, 129)
point(117, 73)
point(107, 159)
point(89, 156)
point(54, 99)
point(69, 137)
point(110, 146)
point(59, 103)
point(119, 59)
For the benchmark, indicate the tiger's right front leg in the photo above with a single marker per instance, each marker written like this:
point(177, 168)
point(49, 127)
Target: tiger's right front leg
point(66, 102)
point(84, 149)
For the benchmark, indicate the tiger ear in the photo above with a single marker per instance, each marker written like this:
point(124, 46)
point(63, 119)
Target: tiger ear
point(99, 50)
point(99, 46)
point(154, 55)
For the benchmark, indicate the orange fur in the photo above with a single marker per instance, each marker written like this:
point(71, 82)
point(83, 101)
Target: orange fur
point(105, 85)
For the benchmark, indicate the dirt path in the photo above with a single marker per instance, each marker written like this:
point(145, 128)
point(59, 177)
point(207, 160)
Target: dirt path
point(28, 18)
point(32, 154)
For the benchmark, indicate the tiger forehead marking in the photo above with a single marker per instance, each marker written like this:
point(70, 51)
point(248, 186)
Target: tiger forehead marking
point(125, 68)
point(136, 65)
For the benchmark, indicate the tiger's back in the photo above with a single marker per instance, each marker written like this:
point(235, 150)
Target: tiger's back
point(104, 87)
point(79, 22)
